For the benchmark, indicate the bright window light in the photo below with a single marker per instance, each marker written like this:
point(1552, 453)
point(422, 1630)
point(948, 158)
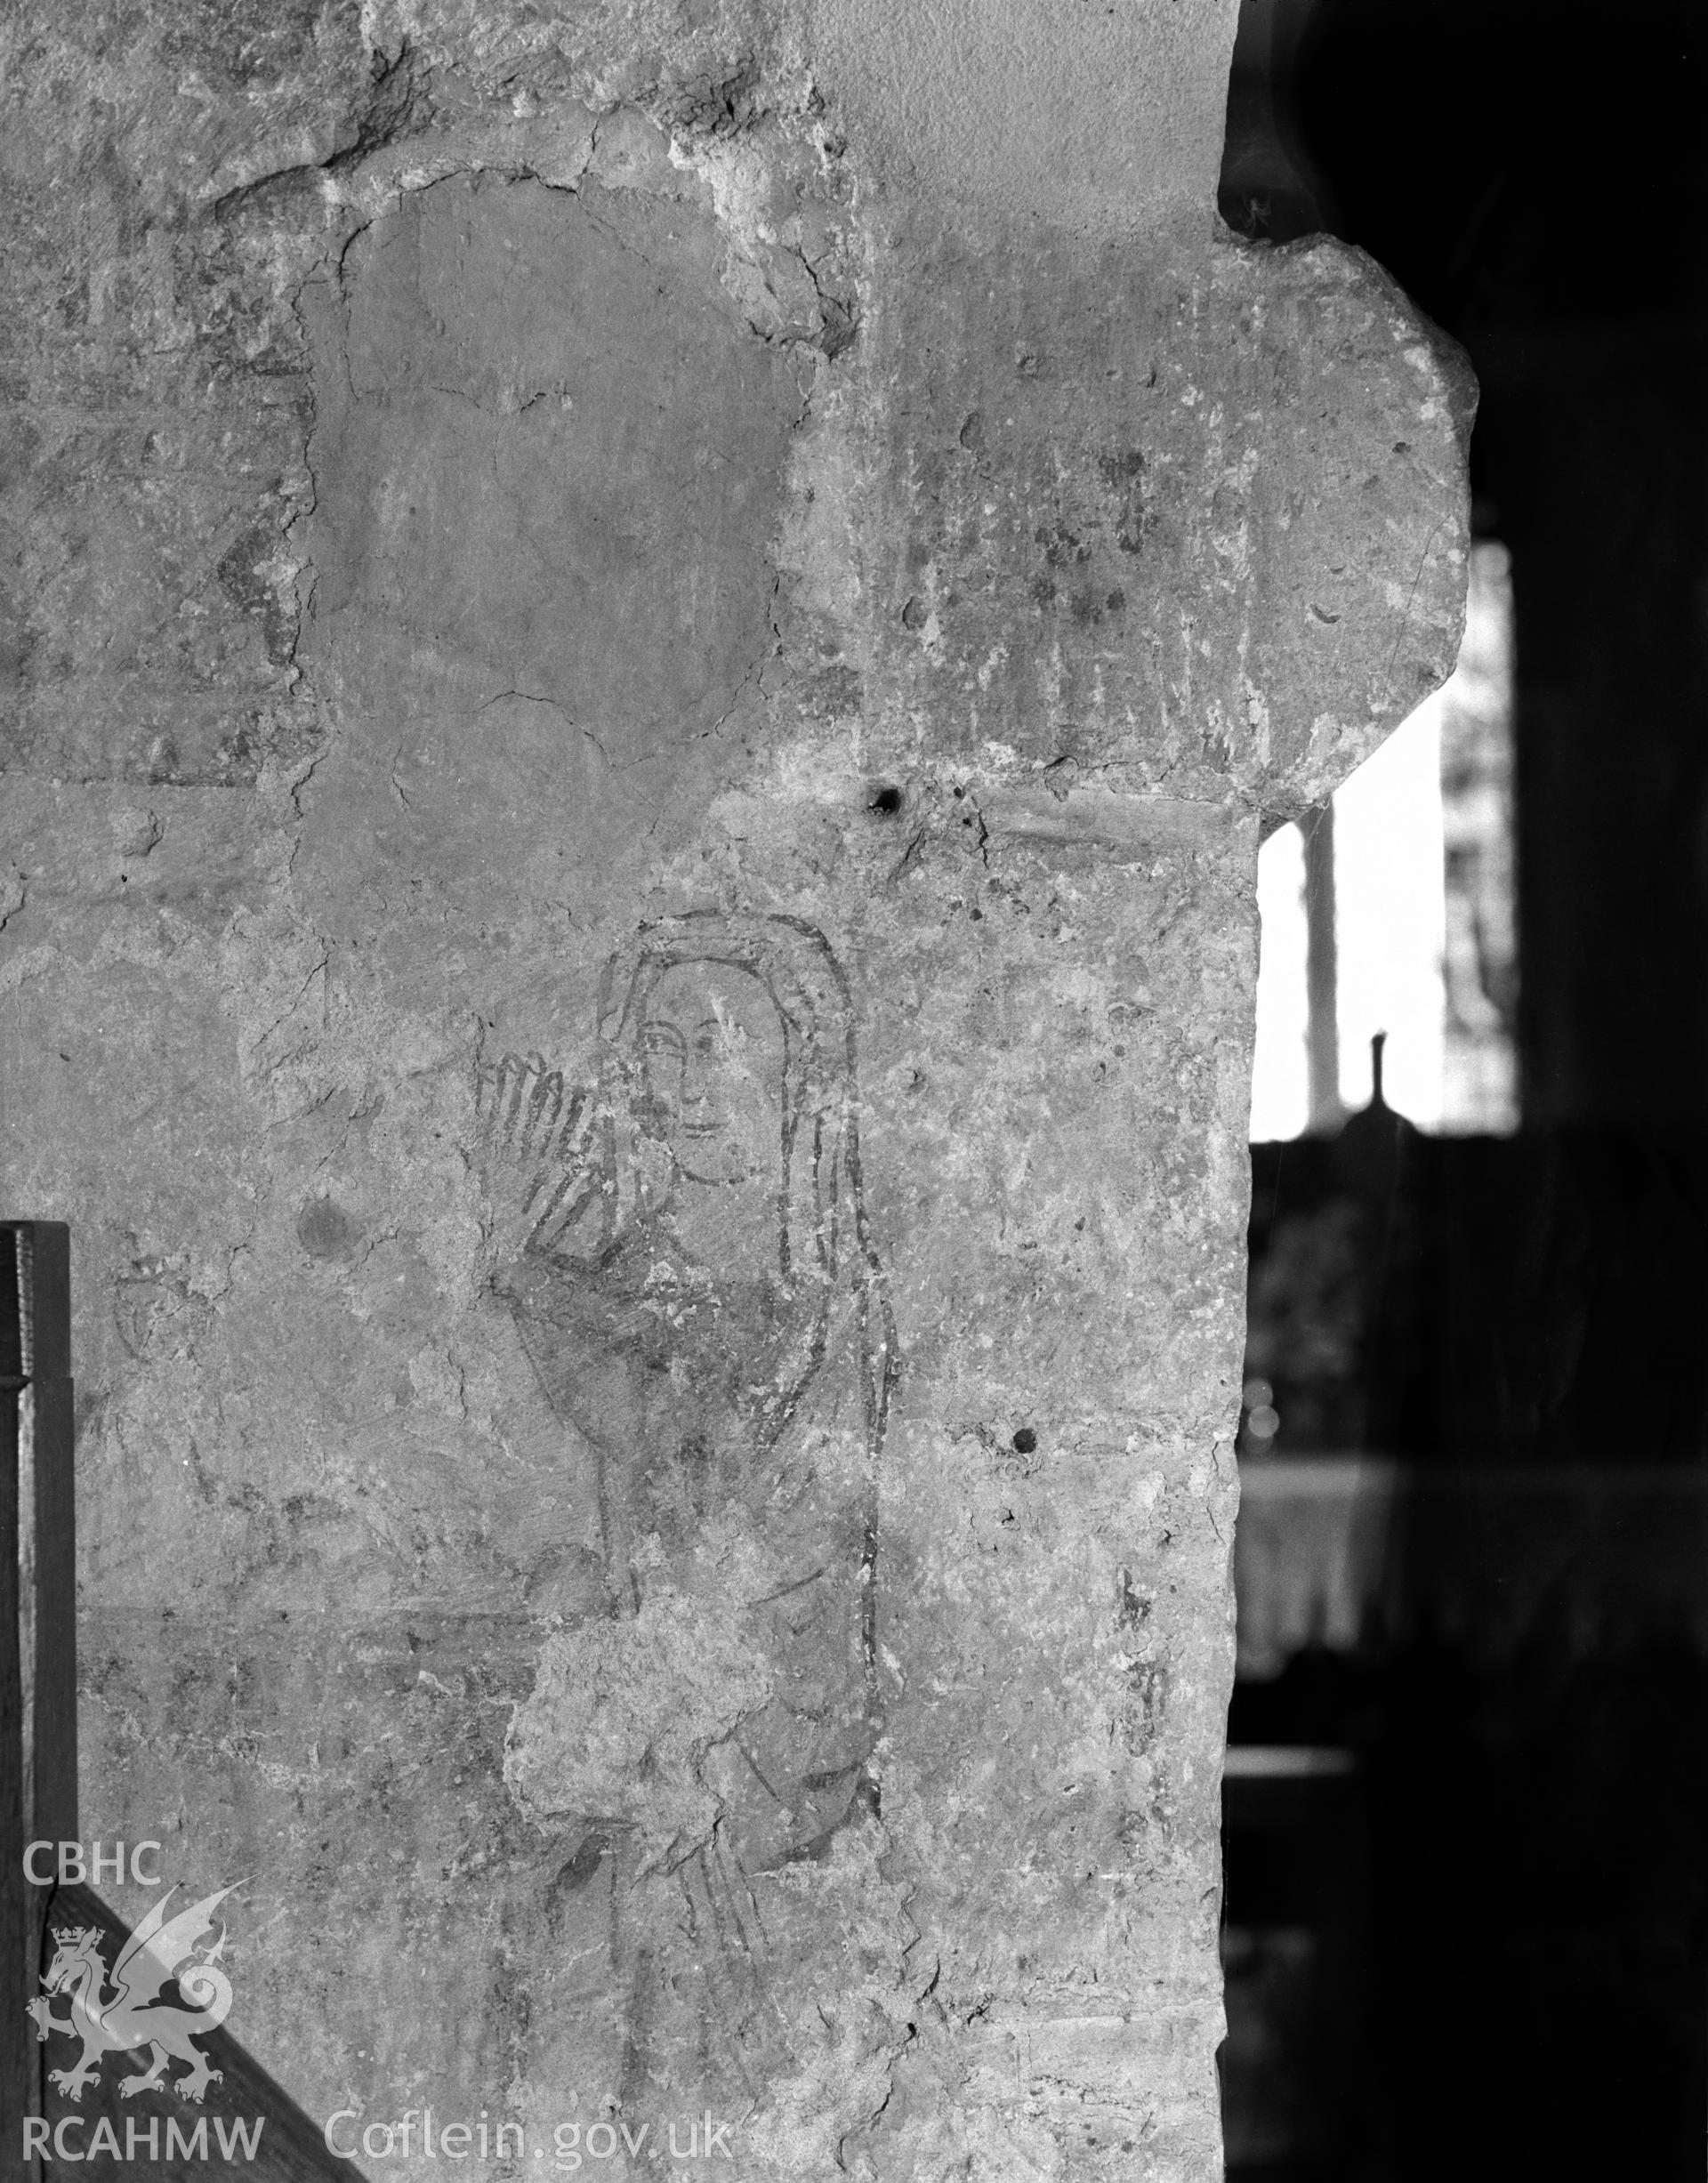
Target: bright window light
point(1423, 918)
point(1281, 1077)
point(1391, 920)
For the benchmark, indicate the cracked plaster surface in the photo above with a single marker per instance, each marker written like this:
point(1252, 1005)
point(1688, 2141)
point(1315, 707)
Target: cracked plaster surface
point(480, 478)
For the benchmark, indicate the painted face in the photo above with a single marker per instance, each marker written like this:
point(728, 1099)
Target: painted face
point(713, 1047)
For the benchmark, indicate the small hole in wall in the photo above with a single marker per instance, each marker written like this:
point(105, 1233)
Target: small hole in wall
point(1025, 1440)
point(886, 801)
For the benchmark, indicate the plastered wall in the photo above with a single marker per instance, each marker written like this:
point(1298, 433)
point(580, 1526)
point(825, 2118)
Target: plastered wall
point(646, 650)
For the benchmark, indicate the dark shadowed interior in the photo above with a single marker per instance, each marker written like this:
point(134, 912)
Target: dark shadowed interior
point(1480, 1946)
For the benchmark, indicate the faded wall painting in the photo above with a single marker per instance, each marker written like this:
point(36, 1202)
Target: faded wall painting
point(488, 475)
point(682, 1239)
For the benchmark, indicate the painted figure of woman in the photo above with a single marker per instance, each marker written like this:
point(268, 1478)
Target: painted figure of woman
point(698, 1289)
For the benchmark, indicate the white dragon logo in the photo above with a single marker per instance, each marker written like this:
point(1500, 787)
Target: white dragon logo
point(133, 2016)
